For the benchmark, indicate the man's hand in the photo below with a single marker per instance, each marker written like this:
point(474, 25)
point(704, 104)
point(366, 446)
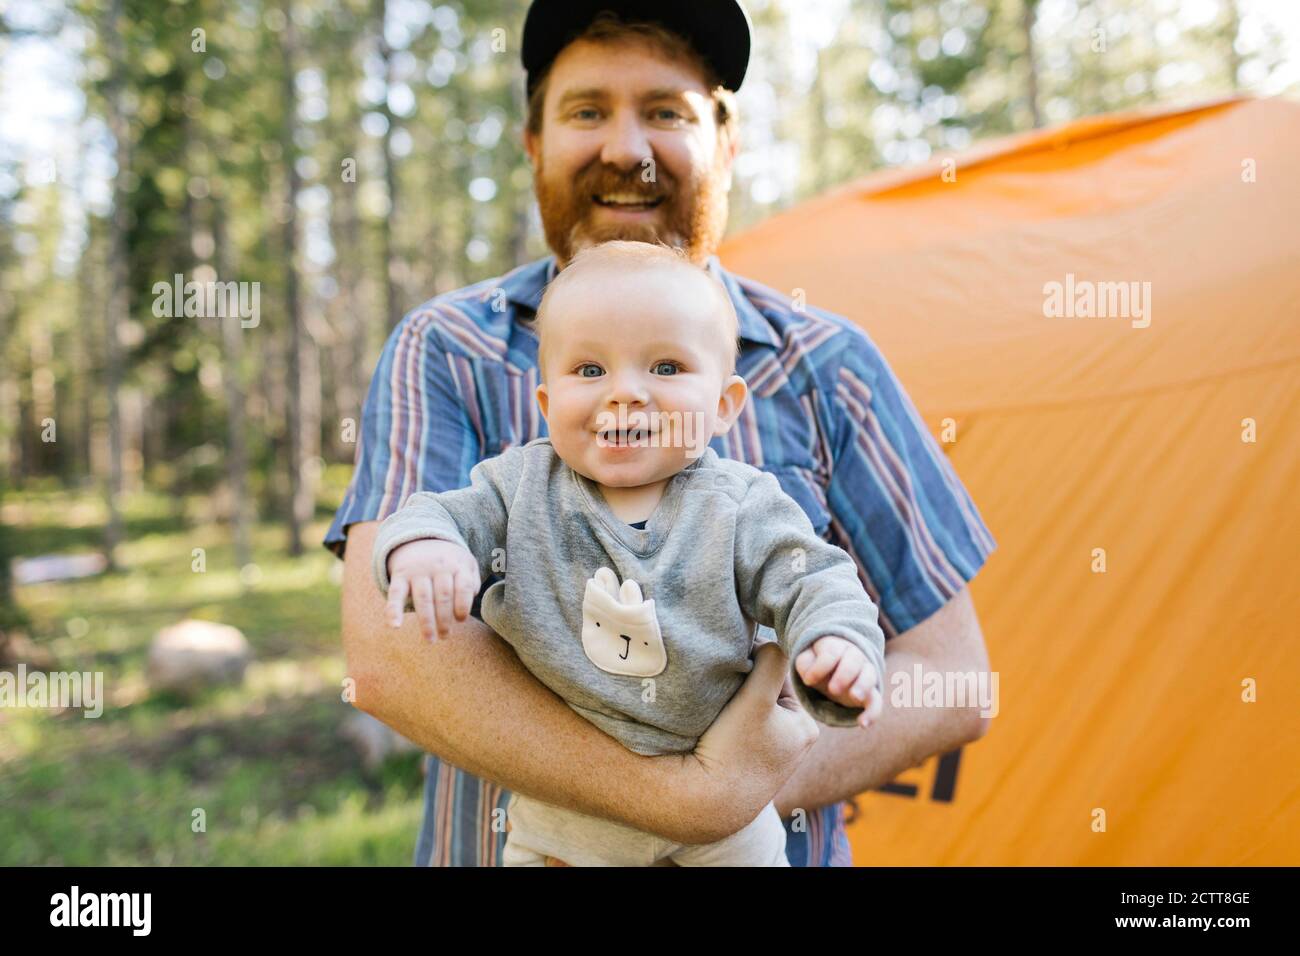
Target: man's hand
point(762, 732)
point(438, 575)
point(839, 670)
point(759, 737)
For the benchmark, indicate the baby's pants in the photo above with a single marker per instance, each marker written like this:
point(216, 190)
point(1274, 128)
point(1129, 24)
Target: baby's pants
point(539, 830)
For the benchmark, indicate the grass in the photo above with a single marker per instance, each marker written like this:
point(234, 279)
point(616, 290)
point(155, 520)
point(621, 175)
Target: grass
point(254, 775)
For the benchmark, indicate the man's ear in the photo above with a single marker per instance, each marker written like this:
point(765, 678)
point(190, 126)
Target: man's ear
point(729, 159)
point(733, 148)
point(730, 404)
point(531, 145)
point(542, 400)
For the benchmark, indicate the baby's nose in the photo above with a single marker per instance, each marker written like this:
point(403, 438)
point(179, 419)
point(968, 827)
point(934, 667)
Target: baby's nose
point(628, 392)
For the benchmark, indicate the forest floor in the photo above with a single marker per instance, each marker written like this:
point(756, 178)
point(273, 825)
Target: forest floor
point(253, 775)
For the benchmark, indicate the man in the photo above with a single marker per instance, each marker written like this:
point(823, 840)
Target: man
point(631, 134)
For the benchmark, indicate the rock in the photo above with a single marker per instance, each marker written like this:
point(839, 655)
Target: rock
point(193, 655)
point(375, 741)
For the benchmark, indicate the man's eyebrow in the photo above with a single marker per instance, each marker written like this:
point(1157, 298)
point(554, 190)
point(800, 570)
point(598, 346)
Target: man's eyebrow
point(665, 93)
point(596, 93)
point(590, 93)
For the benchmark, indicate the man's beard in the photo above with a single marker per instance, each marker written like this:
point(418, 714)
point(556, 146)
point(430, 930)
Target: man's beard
point(691, 217)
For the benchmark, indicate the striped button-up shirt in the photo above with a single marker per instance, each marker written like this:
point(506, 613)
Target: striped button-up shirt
point(826, 416)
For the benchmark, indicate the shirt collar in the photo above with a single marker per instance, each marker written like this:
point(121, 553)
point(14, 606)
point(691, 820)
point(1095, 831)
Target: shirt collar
point(753, 326)
point(525, 285)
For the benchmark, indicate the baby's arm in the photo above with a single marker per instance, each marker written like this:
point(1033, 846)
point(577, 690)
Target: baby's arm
point(436, 549)
point(809, 592)
point(840, 671)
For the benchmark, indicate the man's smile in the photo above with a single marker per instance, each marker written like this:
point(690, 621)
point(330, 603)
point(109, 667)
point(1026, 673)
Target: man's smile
point(627, 202)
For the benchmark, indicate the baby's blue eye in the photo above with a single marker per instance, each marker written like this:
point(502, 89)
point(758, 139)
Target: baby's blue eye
point(671, 365)
point(582, 369)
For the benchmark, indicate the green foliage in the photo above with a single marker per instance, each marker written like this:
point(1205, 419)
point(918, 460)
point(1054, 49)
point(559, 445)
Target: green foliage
point(265, 762)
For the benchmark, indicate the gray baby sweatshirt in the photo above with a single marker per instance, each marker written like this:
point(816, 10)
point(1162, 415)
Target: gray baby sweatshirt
point(646, 633)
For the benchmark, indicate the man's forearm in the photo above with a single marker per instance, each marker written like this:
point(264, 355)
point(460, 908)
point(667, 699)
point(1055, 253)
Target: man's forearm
point(847, 761)
point(470, 701)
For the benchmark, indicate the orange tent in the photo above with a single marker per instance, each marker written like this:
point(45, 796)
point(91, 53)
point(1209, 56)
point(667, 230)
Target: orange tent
point(1101, 323)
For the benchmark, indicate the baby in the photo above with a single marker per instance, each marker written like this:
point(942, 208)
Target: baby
point(638, 563)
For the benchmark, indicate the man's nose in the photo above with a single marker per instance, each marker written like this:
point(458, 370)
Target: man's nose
point(626, 144)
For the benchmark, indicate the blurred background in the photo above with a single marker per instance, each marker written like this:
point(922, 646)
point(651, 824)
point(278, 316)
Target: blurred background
point(165, 482)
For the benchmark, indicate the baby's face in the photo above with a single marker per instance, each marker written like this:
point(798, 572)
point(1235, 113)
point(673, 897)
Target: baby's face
point(642, 351)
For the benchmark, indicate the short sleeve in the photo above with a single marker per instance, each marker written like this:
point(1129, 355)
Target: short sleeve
point(900, 510)
point(415, 432)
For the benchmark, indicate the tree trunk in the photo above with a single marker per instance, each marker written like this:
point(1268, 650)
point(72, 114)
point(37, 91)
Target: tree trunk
point(10, 453)
point(119, 293)
point(522, 197)
point(820, 129)
point(299, 510)
point(232, 345)
point(1233, 31)
point(390, 175)
point(1031, 63)
point(351, 318)
point(10, 617)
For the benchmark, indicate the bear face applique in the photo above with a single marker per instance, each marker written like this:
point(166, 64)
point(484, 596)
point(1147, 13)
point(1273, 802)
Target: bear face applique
point(620, 632)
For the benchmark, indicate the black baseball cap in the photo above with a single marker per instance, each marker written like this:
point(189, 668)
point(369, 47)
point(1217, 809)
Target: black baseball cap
point(718, 30)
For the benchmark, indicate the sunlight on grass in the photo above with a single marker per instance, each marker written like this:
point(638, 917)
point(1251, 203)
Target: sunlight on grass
point(350, 835)
point(263, 761)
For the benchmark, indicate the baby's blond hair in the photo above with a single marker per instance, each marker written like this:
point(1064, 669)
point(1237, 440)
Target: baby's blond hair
point(627, 255)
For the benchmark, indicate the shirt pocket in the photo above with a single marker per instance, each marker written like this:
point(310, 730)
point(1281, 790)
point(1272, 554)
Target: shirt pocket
point(800, 484)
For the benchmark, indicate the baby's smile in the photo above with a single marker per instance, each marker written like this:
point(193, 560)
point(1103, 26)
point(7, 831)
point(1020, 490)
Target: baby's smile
point(637, 437)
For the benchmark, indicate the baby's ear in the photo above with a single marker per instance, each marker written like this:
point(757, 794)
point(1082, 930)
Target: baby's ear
point(730, 404)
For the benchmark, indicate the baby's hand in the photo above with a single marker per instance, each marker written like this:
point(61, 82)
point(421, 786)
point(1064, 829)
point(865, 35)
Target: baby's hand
point(436, 574)
point(839, 670)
